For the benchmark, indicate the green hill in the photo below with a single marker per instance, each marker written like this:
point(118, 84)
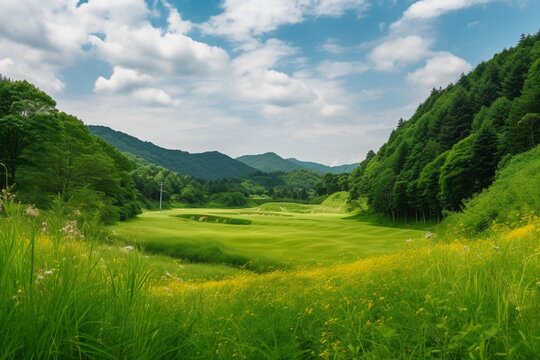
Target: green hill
point(335, 203)
point(210, 165)
point(272, 162)
point(511, 201)
point(268, 162)
point(324, 169)
point(454, 144)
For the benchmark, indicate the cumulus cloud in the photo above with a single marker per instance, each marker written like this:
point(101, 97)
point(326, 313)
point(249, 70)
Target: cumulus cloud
point(154, 97)
point(243, 20)
point(263, 56)
point(397, 52)
point(43, 76)
point(332, 46)
point(118, 32)
point(275, 88)
point(146, 48)
point(175, 22)
point(121, 80)
point(439, 71)
point(423, 10)
point(336, 69)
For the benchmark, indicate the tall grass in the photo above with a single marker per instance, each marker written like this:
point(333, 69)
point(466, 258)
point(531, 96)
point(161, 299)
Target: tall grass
point(476, 300)
point(60, 299)
point(65, 296)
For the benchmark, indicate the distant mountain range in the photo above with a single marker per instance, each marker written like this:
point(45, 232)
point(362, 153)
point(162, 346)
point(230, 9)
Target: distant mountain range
point(272, 162)
point(210, 165)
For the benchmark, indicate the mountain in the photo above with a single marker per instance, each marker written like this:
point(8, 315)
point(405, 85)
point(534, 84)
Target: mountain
point(210, 165)
point(272, 162)
point(269, 162)
point(324, 169)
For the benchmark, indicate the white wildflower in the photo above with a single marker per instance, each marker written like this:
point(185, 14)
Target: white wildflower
point(128, 248)
point(32, 211)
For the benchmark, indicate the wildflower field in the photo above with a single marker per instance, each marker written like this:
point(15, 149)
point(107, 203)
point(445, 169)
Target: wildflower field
point(301, 290)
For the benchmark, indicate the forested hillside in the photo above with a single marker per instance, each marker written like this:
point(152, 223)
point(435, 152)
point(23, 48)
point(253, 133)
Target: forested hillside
point(50, 154)
point(268, 162)
point(210, 165)
point(324, 169)
point(272, 162)
point(453, 145)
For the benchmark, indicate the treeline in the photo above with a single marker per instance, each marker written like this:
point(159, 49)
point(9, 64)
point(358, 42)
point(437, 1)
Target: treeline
point(50, 154)
point(453, 145)
point(177, 190)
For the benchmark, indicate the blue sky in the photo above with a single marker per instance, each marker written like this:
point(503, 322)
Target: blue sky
point(319, 80)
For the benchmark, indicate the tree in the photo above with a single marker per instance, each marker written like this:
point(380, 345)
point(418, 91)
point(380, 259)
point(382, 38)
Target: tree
point(15, 137)
point(485, 158)
point(381, 193)
point(456, 180)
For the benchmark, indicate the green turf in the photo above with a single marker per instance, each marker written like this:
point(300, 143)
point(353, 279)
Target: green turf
point(289, 236)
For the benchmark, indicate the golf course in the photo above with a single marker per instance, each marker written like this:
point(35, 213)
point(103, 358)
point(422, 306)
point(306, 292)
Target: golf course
point(270, 237)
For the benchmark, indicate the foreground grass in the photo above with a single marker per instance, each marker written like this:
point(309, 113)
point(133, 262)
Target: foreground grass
point(65, 297)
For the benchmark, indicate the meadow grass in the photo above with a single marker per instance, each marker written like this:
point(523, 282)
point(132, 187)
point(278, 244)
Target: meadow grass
point(65, 296)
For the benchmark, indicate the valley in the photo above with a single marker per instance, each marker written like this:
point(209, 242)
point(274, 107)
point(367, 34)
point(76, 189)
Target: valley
point(261, 240)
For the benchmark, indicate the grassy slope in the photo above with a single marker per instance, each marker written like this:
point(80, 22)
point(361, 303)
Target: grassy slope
point(462, 299)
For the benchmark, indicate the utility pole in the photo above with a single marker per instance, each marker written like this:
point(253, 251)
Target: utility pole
point(6, 170)
point(160, 194)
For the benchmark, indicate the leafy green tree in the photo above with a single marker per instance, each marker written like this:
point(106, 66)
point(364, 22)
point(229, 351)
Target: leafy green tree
point(456, 180)
point(485, 158)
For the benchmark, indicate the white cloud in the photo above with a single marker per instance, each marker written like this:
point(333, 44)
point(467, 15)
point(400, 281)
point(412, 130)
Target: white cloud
point(398, 52)
point(42, 38)
point(332, 46)
point(153, 96)
point(263, 56)
point(121, 80)
point(439, 71)
point(336, 69)
point(147, 49)
point(243, 20)
point(275, 88)
point(423, 10)
point(42, 76)
point(175, 22)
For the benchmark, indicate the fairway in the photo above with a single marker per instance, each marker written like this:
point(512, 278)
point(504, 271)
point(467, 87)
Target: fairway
point(270, 237)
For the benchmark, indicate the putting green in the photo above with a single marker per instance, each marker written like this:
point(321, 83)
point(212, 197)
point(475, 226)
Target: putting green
point(288, 236)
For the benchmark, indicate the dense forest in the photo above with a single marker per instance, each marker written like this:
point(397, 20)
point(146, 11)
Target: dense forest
point(180, 190)
point(272, 162)
point(457, 140)
point(49, 154)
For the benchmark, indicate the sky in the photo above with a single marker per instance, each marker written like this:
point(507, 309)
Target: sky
point(318, 80)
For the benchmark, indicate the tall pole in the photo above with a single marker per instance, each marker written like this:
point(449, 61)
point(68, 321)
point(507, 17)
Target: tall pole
point(160, 194)
point(6, 170)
